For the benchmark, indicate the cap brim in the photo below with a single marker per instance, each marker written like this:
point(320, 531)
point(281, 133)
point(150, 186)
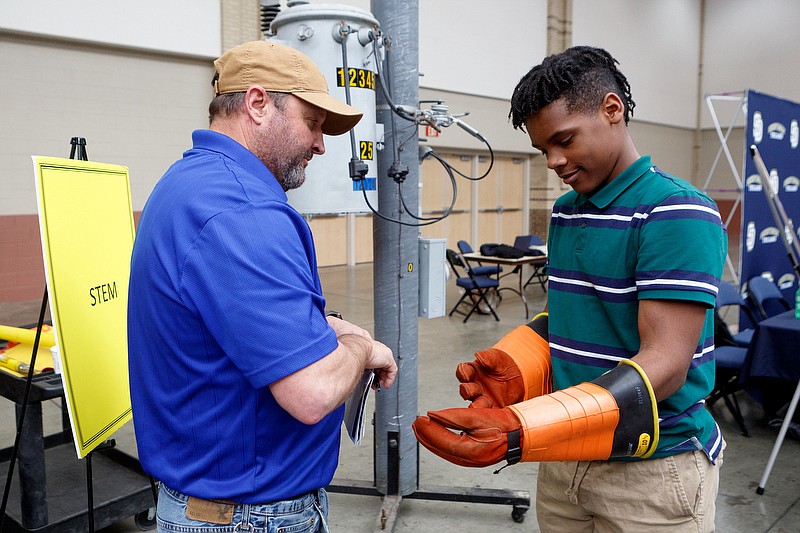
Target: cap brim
point(340, 117)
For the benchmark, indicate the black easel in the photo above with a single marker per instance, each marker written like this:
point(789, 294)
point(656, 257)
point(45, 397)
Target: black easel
point(78, 151)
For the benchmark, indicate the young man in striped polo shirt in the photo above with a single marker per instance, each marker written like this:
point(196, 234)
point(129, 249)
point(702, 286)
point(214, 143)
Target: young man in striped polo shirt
point(635, 257)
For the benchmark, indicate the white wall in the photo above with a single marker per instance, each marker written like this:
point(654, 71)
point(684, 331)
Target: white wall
point(189, 27)
point(657, 44)
point(476, 47)
point(134, 109)
point(746, 45)
point(752, 45)
point(480, 48)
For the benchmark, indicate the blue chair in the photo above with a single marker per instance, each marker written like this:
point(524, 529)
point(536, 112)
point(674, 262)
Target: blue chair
point(479, 270)
point(475, 287)
point(767, 298)
point(730, 352)
point(727, 296)
point(729, 361)
point(524, 243)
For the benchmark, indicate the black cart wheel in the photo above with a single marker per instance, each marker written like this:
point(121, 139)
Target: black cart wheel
point(146, 520)
point(518, 514)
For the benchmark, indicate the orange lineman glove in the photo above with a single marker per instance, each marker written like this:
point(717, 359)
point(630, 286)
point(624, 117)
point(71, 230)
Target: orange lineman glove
point(517, 368)
point(613, 416)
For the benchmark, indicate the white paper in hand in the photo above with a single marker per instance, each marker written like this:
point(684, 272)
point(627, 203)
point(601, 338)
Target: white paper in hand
point(355, 407)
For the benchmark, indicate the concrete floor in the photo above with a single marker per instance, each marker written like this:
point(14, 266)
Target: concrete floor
point(443, 342)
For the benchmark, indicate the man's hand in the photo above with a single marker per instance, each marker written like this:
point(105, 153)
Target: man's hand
point(382, 361)
point(380, 356)
point(343, 327)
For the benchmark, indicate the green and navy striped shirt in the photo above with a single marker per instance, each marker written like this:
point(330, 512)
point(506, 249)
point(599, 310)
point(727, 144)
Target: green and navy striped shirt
point(645, 235)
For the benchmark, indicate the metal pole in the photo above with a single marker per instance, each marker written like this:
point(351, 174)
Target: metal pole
point(779, 440)
point(396, 254)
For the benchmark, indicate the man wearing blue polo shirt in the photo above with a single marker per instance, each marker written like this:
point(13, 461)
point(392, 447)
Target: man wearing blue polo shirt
point(612, 402)
point(237, 377)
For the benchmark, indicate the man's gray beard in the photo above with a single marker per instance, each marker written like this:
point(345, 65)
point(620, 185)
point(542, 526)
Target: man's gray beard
point(292, 177)
point(272, 151)
point(290, 174)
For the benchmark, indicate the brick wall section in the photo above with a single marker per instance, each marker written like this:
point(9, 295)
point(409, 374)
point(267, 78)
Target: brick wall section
point(241, 22)
point(735, 225)
point(21, 263)
point(539, 222)
point(545, 188)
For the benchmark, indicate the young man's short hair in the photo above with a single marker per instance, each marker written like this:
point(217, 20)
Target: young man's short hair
point(582, 75)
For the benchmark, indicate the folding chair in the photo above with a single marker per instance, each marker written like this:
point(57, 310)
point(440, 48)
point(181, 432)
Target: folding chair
point(481, 270)
point(729, 361)
point(766, 297)
point(475, 287)
point(727, 296)
point(524, 243)
point(730, 352)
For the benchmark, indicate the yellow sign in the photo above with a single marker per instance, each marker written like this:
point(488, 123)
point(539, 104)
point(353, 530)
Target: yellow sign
point(86, 222)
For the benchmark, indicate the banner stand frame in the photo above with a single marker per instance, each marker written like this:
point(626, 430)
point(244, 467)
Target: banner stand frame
point(739, 98)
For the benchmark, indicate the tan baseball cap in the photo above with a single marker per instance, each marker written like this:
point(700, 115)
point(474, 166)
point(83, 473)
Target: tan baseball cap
point(282, 69)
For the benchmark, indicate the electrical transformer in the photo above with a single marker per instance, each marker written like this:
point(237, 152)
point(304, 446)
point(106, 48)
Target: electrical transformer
point(320, 31)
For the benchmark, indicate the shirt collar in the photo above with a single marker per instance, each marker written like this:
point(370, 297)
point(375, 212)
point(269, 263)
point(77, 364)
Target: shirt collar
point(605, 196)
point(227, 147)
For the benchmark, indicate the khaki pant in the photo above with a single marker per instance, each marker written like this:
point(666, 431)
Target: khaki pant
point(673, 494)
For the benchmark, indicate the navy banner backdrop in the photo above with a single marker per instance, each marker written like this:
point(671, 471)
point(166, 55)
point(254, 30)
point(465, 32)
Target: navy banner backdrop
point(772, 125)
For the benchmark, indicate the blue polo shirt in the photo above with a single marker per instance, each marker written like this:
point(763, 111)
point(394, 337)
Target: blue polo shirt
point(645, 235)
point(225, 299)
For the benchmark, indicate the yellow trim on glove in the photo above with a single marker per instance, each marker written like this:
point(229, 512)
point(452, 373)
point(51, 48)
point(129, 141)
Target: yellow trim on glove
point(643, 450)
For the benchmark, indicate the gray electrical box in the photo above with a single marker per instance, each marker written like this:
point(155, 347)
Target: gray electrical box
point(432, 277)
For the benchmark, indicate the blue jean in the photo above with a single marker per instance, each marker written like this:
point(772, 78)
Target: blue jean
point(305, 514)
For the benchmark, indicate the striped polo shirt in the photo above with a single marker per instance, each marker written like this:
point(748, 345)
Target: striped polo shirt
point(646, 234)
